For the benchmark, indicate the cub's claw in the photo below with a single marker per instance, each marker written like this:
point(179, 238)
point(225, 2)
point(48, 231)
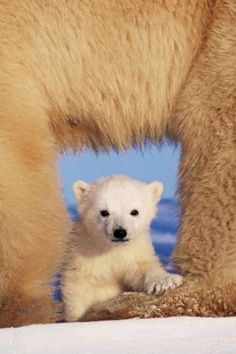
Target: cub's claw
point(159, 285)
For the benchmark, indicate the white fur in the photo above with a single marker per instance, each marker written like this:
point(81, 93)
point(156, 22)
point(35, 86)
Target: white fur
point(97, 268)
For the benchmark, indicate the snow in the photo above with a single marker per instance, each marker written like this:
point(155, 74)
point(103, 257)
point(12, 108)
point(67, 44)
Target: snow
point(150, 336)
point(177, 335)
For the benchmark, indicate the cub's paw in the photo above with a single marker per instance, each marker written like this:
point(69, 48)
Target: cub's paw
point(159, 285)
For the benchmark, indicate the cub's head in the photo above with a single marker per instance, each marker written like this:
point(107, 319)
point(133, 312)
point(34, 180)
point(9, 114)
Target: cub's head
point(117, 208)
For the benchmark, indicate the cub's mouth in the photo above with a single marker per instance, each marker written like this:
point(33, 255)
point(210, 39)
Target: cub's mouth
point(124, 240)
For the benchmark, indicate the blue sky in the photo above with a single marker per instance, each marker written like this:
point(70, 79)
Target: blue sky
point(151, 164)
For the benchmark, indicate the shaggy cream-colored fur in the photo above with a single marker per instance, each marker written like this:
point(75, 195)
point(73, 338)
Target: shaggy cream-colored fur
point(108, 74)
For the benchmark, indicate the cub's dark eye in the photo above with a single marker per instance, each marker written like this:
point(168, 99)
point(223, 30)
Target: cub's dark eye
point(134, 212)
point(104, 213)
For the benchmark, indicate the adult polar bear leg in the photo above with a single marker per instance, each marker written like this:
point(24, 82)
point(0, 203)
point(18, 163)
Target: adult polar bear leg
point(205, 124)
point(188, 300)
point(206, 109)
point(33, 221)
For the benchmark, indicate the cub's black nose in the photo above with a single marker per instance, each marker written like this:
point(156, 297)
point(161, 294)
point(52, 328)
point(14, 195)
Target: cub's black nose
point(120, 233)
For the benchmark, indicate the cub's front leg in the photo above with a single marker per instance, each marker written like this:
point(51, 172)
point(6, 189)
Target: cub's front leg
point(157, 280)
point(81, 295)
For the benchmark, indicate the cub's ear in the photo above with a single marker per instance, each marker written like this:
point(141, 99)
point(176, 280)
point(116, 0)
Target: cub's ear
point(157, 189)
point(80, 188)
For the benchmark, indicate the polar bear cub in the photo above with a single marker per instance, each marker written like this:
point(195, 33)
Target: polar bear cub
point(110, 249)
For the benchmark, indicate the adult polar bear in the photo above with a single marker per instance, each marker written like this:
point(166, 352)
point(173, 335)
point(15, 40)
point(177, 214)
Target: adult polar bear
point(108, 74)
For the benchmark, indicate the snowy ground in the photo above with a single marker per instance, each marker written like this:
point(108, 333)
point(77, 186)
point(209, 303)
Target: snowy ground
point(170, 335)
point(154, 336)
